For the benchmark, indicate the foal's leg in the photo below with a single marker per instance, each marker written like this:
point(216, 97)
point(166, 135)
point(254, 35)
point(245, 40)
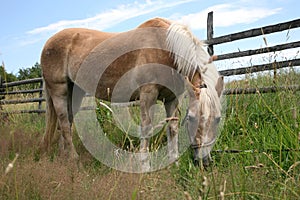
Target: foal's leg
point(172, 130)
point(60, 102)
point(148, 97)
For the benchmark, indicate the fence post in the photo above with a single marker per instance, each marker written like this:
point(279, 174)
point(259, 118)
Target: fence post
point(210, 32)
point(0, 83)
point(1, 87)
point(41, 95)
point(1, 90)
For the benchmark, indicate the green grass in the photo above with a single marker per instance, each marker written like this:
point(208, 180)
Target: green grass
point(264, 127)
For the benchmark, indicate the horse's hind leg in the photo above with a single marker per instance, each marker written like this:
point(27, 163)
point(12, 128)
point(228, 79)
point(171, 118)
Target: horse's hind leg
point(60, 102)
point(74, 100)
point(172, 130)
point(75, 96)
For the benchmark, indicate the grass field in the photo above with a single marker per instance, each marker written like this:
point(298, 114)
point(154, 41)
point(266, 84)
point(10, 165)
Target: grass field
point(256, 156)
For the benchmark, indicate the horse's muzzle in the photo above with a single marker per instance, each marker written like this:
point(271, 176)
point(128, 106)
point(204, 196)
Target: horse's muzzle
point(199, 160)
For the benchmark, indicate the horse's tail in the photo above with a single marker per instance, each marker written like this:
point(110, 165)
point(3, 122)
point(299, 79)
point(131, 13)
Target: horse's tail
point(51, 120)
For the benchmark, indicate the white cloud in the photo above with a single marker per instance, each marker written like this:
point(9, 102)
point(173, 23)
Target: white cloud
point(224, 15)
point(227, 15)
point(111, 17)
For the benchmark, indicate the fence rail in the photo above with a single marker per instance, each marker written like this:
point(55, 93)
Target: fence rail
point(31, 91)
point(250, 33)
point(5, 90)
point(22, 82)
point(270, 89)
point(211, 41)
point(231, 91)
point(259, 68)
point(32, 100)
point(259, 51)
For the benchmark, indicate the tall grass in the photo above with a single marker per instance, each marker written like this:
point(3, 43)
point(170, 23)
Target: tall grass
point(257, 154)
point(263, 128)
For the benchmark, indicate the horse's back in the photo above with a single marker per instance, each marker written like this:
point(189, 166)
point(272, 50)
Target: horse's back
point(67, 49)
point(89, 50)
point(156, 22)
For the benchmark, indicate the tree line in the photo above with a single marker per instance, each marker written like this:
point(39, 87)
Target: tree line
point(23, 73)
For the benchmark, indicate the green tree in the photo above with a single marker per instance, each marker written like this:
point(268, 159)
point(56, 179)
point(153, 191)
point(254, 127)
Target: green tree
point(28, 73)
point(6, 77)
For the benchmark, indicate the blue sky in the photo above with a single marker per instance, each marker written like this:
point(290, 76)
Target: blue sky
point(26, 25)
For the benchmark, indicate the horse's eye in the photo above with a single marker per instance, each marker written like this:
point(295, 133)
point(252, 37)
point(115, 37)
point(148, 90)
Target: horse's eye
point(191, 118)
point(217, 120)
point(202, 86)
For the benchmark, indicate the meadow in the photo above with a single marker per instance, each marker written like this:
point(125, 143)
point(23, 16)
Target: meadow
point(256, 155)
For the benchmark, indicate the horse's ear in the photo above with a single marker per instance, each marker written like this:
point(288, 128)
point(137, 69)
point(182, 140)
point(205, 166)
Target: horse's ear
point(196, 81)
point(192, 90)
point(193, 85)
point(212, 58)
point(220, 85)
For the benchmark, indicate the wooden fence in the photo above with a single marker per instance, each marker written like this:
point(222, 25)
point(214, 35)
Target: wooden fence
point(211, 41)
point(5, 91)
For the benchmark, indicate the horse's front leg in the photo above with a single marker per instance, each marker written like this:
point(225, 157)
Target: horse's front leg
point(148, 97)
point(172, 130)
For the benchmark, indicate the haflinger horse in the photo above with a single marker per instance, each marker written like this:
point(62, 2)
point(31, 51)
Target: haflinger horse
point(91, 61)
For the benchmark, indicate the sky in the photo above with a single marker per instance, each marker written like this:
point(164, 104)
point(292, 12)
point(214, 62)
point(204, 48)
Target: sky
point(26, 25)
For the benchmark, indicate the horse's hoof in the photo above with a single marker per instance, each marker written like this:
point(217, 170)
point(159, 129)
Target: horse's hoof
point(73, 155)
point(145, 162)
point(41, 150)
point(146, 166)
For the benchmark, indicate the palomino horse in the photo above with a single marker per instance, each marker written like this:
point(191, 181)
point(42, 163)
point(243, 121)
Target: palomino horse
point(92, 61)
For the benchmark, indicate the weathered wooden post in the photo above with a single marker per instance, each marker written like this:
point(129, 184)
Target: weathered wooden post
point(1, 83)
point(1, 91)
point(1, 88)
point(40, 96)
point(210, 32)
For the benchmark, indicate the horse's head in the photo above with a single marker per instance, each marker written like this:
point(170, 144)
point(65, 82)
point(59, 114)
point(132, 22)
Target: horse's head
point(205, 87)
point(204, 113)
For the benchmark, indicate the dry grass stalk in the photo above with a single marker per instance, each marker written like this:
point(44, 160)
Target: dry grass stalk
point(10, 166)
point(187, 196)
point(222, 191)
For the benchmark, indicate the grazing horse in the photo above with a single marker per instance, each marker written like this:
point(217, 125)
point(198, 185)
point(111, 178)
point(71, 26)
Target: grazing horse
point(91, 61)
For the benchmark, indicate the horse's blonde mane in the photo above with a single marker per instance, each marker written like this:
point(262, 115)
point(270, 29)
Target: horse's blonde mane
point(190, 56)
point(210, 78)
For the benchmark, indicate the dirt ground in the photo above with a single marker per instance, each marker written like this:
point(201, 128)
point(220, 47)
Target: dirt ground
point(54, 178)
